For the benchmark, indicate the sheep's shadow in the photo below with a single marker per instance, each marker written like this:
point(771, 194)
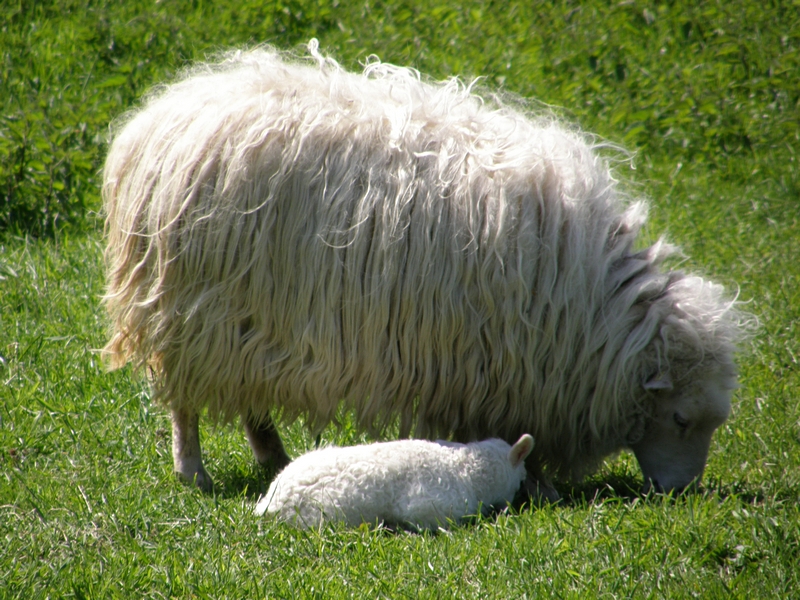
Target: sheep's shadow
point(250, 482)
point(627, 489)
point(622, 488)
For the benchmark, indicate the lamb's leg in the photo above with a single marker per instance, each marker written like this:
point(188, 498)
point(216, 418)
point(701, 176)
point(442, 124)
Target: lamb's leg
point(266, 443)
point(537, 485)
point(186, 454)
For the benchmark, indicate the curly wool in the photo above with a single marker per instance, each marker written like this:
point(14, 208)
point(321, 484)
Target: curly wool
point(287, 237)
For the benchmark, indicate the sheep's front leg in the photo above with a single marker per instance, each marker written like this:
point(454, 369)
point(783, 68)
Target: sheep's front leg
point(266, 443)
point(186, 454)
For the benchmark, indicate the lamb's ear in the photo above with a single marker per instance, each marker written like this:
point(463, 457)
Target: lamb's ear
point(520, 450)
point(658, 382)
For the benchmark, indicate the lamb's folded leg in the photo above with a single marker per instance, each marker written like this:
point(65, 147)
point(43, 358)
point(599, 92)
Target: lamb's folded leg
point(186, 454)
point(266, 443)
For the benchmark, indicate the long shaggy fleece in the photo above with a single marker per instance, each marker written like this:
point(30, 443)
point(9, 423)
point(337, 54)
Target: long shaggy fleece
point(407, 483)
point(285, 236)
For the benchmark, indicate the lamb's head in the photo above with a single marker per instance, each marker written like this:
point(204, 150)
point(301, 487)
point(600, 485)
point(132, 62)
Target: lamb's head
point(497, 469)
point(689, 390)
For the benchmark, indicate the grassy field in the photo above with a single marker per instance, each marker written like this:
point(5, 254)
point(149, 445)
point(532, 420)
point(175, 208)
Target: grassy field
point(707, 95)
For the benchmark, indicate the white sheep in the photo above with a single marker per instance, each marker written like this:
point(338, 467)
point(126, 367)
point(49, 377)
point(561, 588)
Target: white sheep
point(406, 483)
point(285, 238)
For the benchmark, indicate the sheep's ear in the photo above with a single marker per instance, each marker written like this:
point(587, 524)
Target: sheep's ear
point(520, 450)
point(658, 382)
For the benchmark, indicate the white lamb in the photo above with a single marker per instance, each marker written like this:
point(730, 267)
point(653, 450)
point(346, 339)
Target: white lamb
point(411, 483)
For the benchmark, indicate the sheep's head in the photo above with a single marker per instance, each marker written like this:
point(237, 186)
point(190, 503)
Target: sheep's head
point(683, 414)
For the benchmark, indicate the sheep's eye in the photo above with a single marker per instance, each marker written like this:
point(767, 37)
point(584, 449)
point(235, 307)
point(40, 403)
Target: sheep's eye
point(682, 422)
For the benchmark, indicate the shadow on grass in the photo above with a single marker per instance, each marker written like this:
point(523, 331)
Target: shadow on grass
point(250, 482)
point(628, 490)
point(618, 487)
point(748, 495)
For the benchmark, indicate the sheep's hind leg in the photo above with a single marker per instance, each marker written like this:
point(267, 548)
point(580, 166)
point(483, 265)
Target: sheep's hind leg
point(186, 454)
point(266, 443)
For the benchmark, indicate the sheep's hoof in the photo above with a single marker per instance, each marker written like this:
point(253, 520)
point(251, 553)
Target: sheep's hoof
point(199, 478)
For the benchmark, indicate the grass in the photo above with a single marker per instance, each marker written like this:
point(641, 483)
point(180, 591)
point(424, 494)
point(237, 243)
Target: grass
point(704, 93)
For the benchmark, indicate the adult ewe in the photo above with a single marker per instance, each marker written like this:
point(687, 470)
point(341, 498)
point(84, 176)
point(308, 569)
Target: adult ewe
point(286, 237)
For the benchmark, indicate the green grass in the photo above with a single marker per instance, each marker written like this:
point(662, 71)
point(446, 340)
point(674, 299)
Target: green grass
point(706, 94)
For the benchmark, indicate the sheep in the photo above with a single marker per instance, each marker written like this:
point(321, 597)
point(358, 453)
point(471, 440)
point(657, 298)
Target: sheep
point(288, 239)
point(415, 484)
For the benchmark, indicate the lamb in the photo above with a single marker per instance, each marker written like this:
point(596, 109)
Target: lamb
point(407, 483)
point(287, 239)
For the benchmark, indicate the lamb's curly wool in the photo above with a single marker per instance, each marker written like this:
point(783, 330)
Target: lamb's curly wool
point(408, 483)
point(285, 236)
